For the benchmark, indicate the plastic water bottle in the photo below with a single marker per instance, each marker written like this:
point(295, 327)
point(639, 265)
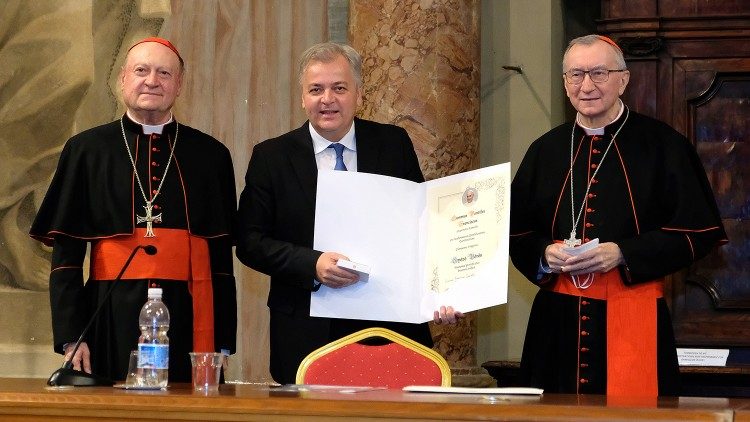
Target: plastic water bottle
point(153, 344)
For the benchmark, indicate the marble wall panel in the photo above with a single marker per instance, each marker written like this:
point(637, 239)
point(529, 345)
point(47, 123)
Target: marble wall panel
point(421, 71)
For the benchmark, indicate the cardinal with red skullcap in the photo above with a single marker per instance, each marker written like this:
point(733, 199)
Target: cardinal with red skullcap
point(145, 179)
point(603, 209)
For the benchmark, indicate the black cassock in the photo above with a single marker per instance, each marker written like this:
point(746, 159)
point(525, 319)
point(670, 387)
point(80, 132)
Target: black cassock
point(94, 195)
point(650, 196)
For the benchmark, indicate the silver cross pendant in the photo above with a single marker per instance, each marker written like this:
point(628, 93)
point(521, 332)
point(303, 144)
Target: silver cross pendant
point(571, 242)
point(149, 219)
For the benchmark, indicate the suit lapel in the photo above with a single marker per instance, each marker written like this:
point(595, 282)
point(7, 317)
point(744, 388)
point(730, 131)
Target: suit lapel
point(302, 158)
point(368, 149)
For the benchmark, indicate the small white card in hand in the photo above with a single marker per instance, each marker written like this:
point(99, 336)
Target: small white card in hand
point(583, 248)
point(361, 269)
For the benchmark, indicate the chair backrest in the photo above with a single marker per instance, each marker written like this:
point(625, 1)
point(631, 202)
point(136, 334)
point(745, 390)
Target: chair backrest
point(399, 363)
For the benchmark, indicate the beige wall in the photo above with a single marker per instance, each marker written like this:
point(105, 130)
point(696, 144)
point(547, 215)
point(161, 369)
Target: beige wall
point(516, 109)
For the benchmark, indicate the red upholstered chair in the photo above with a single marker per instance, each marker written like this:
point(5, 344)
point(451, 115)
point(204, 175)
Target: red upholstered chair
point(396, 364)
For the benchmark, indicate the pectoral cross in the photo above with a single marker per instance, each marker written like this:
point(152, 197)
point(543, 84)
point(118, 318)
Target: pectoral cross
point(571, 242)
point(149, 219)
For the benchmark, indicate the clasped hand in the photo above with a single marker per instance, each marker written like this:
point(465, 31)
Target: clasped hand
point(600, 259)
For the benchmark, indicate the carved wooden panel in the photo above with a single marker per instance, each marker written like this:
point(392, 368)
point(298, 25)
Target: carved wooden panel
point(702, 7)
point(711, 301)
point(673, 8)
point(697, 79)
point(719, 122)
point(643, 83)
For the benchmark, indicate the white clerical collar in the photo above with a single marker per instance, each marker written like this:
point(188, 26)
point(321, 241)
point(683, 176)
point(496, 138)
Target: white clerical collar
point(599, 130)
point(320, 143)
point(149, 129)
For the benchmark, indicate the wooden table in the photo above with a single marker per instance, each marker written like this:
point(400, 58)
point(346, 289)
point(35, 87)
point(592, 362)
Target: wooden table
point(703, 381)
point(30, 399)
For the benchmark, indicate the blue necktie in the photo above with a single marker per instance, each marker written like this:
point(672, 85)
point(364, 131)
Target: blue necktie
point(339, 156)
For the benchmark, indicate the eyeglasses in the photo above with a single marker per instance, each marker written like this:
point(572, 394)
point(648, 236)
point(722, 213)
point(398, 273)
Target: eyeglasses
point(575, 76)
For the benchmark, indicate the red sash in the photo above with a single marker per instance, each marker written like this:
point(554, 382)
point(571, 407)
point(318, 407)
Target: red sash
point(180, 256)
point(631, 330)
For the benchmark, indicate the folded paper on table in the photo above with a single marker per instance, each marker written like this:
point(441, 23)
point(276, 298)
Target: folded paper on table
point(527, 391)
point(441, 242)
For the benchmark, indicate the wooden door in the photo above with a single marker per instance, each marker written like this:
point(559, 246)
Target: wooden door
point(690, 67)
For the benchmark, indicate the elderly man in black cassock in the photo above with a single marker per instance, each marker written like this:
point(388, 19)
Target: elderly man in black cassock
point(144, 179)
point(599, 323)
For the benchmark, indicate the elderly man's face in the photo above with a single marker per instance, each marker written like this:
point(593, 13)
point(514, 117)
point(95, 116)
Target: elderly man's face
point(330, 97)
point(596, 102)
point(151, 80)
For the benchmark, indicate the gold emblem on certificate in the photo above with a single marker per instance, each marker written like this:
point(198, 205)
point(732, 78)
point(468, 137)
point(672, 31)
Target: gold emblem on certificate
point(464, 229)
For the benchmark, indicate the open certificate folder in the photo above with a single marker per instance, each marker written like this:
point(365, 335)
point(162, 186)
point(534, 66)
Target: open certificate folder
point(441, 242)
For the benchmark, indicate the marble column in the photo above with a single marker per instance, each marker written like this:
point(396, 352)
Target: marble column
point(421, 72)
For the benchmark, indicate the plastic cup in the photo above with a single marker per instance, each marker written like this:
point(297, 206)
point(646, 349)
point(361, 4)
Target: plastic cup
point(206, 370)
point(134, 377)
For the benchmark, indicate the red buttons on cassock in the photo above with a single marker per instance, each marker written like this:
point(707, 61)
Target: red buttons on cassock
point(589, 225)
point(584, 302)
point(592, 195)
point(156, 207)
point(584, 349)
point(589, 210)
point(585, 318)
point(594, 181)
point(586, 239)
point(154, 164)
point(154, 191)
point(584, 333)
point(584, 380)
point(584, 365)
point(593, 166)
point(154, 178)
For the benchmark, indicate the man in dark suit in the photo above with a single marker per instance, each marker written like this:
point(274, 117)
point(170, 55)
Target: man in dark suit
point(277, 206)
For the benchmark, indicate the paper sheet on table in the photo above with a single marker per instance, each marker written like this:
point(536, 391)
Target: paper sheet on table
point(442, 242)
point(471, 390)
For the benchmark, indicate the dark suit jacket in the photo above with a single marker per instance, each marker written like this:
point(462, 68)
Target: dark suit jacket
point(275, 236)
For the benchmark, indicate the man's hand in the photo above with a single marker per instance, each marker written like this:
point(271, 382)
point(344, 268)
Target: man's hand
point(555, 256)
point(446, 315)
point(329, 274)
point(601, 259)
point(82, 357)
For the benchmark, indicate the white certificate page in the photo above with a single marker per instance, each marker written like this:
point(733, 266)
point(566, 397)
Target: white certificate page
point(466, 246)
point(442, 242)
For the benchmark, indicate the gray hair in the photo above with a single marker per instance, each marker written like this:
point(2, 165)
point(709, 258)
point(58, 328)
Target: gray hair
point(327, 52)
point(591, 39)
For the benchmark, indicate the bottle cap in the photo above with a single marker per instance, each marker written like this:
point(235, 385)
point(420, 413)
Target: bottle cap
point(154, 292)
